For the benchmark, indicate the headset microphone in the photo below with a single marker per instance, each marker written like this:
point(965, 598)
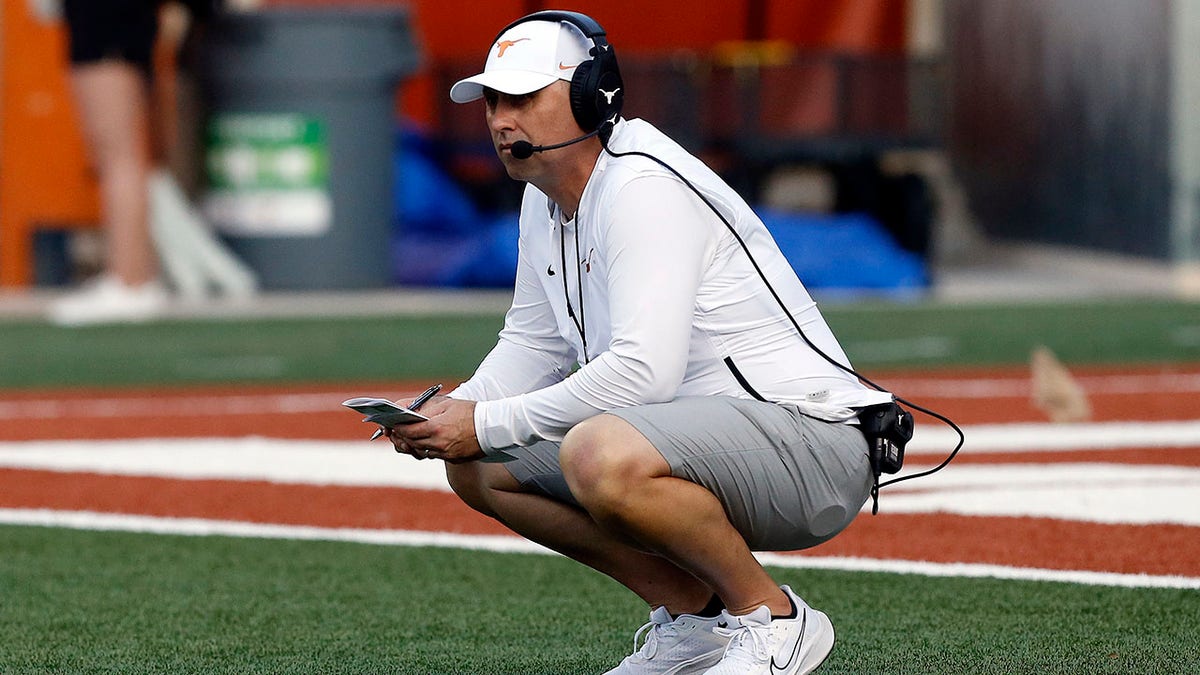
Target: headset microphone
point(525, 149)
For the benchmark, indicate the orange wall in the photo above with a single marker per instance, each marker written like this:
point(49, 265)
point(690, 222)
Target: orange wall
point(460, 30)
point(454, 28)
point(857, 26)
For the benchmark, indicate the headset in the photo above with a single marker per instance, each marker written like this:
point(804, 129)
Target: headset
point(597, 96)
point(597, 91)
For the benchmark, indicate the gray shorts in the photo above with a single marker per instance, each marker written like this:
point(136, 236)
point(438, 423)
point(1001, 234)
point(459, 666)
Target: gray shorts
point(787, 481)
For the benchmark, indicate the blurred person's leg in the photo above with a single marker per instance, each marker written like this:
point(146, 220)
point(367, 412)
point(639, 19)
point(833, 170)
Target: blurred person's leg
point(111, 46)
point(113, 106)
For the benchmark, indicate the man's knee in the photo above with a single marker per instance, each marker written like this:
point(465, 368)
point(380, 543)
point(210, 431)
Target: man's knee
point(473, 482)
point(604, 456)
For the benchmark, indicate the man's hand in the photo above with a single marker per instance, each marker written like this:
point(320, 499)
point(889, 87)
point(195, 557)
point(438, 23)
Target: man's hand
point(449, 434)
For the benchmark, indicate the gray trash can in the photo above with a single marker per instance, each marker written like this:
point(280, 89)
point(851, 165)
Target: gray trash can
point(299, 140)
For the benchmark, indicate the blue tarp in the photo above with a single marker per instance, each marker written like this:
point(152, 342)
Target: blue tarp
point(845, 253)
point(443, 240)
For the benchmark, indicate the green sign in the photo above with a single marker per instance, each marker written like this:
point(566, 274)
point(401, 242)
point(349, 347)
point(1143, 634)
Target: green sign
point(268, 174)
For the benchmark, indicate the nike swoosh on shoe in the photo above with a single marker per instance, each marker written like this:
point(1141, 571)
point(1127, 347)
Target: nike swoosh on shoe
point(775, 667)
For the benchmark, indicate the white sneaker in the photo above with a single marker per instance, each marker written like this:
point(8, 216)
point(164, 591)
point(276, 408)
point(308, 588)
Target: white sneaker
point(109, 300)
point(681, 646)
point(759, 644)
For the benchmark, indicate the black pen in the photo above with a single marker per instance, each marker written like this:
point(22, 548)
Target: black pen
point(417, 403)
point(420, 400)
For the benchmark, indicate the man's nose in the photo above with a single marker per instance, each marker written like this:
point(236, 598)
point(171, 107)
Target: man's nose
point(501, 118)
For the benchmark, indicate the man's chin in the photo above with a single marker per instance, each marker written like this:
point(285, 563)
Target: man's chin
point(514, 167)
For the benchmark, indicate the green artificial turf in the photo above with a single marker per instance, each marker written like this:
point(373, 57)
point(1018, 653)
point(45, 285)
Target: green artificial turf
point(106, 602)
point(101, 602)
point(920, 335)
point(244, 351)
point(1096, 332)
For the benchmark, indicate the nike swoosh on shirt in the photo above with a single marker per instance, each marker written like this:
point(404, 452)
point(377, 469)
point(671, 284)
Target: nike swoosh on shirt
point(775, 667)
point(562, 67)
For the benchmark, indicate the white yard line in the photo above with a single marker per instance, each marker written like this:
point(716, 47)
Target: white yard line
point(1098, 493)
point(251, 458)
point(87, 520)
point(357, 462)
point(1086, 490)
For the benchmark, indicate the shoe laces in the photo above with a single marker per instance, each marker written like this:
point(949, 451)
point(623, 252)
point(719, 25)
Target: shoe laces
point(652, 633)
point(754, 639)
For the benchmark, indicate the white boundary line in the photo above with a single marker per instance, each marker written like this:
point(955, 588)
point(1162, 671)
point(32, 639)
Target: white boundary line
point(167, 405)
point(977, 570)
point(934, 438)
point(89, 520)
point(300, 402)
point(1021, 385)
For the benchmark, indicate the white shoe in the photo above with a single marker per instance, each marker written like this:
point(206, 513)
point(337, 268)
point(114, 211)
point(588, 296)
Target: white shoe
point(760, 644)
point(678, 646)
point(109, 300)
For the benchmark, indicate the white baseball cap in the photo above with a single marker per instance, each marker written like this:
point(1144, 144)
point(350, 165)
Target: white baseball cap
point(525, 58)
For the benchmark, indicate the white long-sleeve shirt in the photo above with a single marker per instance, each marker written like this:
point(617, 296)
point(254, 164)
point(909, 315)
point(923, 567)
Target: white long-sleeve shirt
point(669, 302)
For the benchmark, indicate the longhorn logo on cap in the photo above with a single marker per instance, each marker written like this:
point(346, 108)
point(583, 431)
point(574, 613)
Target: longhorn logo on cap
point(503, 46)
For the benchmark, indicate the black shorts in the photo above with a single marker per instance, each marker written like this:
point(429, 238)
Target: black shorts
point(101, 30)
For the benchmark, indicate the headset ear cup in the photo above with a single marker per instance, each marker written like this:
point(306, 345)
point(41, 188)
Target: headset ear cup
point(610, 92)
point(583, 97)
point(597, 93)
